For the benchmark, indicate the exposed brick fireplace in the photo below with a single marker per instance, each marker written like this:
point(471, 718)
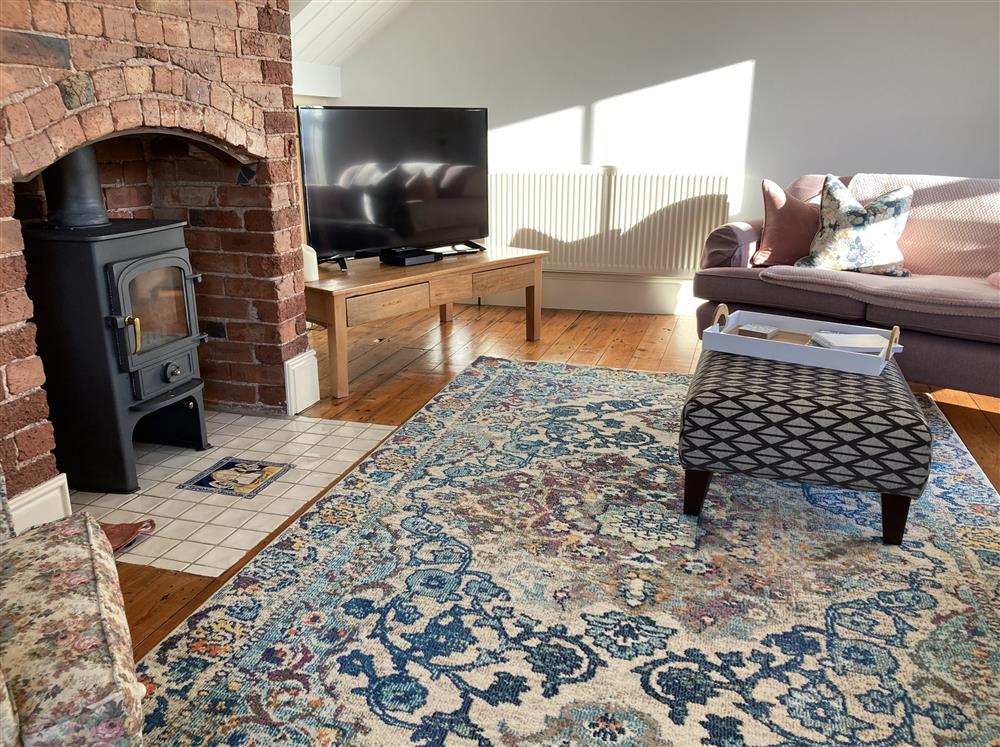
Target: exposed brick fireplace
point(189, 103)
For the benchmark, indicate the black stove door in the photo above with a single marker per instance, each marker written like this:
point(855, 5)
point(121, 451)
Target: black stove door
point(156, 308)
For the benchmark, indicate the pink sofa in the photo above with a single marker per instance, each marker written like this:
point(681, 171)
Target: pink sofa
point(948, 312)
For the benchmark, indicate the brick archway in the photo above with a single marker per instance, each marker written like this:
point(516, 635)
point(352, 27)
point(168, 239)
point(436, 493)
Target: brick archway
point(215, 78)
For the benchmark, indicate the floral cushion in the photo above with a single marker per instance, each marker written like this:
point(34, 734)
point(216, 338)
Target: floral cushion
point(8, 719)
point(65, 648)
point(6, 523)
point(856, 237)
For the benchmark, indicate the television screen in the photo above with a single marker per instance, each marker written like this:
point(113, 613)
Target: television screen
point(383, 178)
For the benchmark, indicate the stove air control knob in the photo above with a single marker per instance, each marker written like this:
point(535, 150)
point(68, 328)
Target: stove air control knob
point(171, 371)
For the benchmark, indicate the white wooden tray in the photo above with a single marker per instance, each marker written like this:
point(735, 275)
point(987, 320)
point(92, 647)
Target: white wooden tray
point(791, 344)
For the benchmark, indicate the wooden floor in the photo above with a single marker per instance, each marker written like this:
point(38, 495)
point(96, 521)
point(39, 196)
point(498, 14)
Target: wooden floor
point(398, 365)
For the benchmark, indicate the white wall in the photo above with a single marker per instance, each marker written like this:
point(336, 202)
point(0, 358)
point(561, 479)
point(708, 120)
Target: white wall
point(760, 88)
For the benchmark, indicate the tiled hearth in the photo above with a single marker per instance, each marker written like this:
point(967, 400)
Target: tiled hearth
point(207, 532)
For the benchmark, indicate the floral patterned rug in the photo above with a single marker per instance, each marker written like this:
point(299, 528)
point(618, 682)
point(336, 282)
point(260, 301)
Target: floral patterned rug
point(513, 567)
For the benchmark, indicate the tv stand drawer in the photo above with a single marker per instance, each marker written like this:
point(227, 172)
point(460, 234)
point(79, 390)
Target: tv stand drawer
point(504, 279)
point(451, 288)
point(384, 304)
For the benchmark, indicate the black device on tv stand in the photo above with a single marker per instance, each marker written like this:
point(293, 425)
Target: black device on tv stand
point(406, 256)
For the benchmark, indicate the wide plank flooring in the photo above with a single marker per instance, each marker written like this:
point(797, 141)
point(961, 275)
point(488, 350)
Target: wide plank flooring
point(398, 365)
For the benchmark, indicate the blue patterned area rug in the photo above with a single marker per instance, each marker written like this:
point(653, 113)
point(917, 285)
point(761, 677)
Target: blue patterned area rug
point(513, 567)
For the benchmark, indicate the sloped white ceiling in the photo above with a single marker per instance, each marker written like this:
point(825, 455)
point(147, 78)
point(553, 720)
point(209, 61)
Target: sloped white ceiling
point(326, 32)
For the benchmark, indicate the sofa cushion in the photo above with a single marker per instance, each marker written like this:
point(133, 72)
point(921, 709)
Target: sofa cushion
point(853, 236)
point(978, 328)
point(65, 648)
point(743, 285)
point(938, 294)
point(952, 228)
point(790, 225)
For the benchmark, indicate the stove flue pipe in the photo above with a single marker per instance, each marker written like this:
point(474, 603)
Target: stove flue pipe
point(73, 191)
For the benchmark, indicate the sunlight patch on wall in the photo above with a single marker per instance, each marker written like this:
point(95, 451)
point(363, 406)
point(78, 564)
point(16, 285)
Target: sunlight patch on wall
point(693, 125)
point(540, 143)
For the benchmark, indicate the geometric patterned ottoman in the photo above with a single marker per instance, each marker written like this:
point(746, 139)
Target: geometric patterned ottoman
point(790, 422)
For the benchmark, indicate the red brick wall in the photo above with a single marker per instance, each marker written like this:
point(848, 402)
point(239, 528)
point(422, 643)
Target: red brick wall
point(215, 75)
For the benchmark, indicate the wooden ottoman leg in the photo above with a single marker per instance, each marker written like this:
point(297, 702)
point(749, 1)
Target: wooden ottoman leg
point(696, 482)
point(894, 511)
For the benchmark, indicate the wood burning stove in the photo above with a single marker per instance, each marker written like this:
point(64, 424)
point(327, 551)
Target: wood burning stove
point(117, 330)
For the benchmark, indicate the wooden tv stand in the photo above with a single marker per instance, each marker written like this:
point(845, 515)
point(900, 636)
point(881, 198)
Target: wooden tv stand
point(370, 290)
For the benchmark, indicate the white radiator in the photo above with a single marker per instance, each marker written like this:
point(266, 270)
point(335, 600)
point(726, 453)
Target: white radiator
point(605, 221)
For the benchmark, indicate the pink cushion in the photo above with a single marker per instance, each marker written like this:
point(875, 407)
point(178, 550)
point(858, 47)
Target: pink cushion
point(790, 224)
point(954, 222)
point(994, 279)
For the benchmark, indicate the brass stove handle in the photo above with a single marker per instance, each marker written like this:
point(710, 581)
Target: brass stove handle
point(134, 321)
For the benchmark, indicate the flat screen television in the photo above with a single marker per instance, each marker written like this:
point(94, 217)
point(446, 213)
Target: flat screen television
point(386, 178)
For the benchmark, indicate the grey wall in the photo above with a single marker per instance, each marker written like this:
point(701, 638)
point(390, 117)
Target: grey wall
point(906, 87)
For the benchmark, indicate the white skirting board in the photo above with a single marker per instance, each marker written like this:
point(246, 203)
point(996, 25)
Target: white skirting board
point(301, 382)
point(588, 291)
point(40, 504)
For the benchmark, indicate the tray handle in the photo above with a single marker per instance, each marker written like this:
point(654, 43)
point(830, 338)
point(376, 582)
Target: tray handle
point(893, 339)
point(721, 311)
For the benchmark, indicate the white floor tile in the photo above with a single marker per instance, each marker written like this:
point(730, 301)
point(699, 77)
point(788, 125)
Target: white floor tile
point(244, 539)
point(143, 504)
point(82, 496)
point(352, 429)
point(249, 420)
point(218, 499)
point(183, 475)
point(201, 513)
point(159, 473)
point(162, 489)
point(152, 547)
point(211, 534)
point(221, 557)
point(203, 570)
point(172, 508)
point(130, 557)
point(283, 507)
point(336, 442)
point(275, 489)
point(268, 445)
point(280, 435)
point(187, 551)
point(290, 450)
point(238, 444)
point(334, 467)
point(300, 492)
point(233, 517)
point(181, 461)
point(167, 564)
point(120, 516)
point(326, 427)
point(177, 529)
point(222, 417)
point(259, 432)
point(316, 480)
point(352, 454)
point(299, 425)
point(113, 500)
point(257, 503)
point(259, 456)
point(308, 438)
point(232, 430)
point(321, 451)
point(264, 522)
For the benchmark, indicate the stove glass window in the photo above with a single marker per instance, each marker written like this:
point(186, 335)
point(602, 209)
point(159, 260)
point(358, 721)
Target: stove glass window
point(157, 299)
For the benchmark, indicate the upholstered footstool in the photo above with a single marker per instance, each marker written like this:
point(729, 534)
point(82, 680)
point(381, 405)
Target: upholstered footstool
point(67, 676)
point(783, 421)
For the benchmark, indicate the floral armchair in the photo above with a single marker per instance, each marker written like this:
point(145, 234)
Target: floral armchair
point(67, 676)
